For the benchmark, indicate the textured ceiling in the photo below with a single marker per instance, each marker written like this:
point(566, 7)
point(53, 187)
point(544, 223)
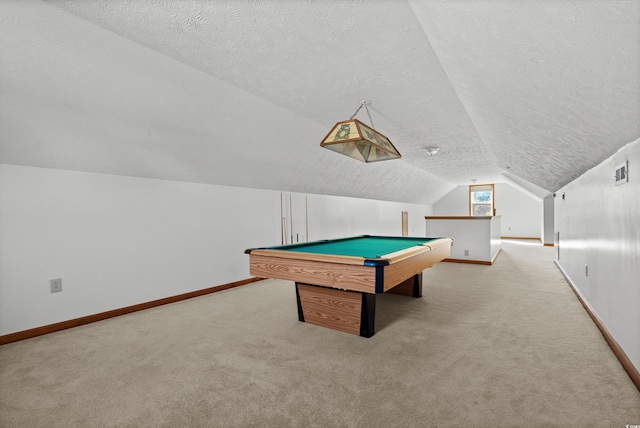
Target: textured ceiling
point(242, 92)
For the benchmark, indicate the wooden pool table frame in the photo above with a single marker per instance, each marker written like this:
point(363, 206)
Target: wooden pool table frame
point(339, 292)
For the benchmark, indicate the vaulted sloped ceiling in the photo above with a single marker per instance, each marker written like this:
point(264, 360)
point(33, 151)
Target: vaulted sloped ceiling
point(241, 93)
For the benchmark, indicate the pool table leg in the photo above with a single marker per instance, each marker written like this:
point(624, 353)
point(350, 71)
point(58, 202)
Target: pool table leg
point(348, 311)
point(411, 287)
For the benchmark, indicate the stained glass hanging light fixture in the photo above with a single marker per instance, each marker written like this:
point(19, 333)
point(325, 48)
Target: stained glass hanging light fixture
point(359, 141)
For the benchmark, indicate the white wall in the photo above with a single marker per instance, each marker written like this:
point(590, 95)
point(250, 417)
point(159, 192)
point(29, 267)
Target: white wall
point(472, 237)
point(118, 241)
point(521, 212)
point(335, 217)
point(548, 227)
point(454, 203)
point(599, 227)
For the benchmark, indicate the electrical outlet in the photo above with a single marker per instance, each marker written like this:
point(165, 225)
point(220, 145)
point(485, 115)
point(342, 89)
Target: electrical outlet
point(586, 270)
point(466, 252)
point(56, 285)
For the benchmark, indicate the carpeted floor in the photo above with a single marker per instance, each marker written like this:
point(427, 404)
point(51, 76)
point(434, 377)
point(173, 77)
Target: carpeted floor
point(507, 345)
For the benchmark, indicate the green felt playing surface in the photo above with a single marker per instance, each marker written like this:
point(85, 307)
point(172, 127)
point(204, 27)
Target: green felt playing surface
point(370, 247)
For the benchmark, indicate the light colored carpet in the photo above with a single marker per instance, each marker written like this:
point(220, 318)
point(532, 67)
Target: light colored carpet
point(486, 346)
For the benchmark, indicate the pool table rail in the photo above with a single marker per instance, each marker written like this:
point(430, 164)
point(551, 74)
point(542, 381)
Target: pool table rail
point(347, 272)
point(326, 258)
point(433, 245)
point(385, 260)
point(345, 276)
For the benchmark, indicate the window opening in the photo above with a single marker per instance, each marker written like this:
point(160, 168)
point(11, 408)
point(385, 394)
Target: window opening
point(481, 200)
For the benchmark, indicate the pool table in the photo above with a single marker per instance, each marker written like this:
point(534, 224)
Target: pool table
point(337, 280)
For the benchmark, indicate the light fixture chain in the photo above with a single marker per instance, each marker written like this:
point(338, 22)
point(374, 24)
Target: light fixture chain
point(369, 114)
point(357, 110)
point(366, 106)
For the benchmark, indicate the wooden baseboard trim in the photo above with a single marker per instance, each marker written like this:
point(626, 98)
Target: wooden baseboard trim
point(39, 331)
point(472, 262)
point(493, 260)
point(549, 245)
point(631, 370)
point(521, 237)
